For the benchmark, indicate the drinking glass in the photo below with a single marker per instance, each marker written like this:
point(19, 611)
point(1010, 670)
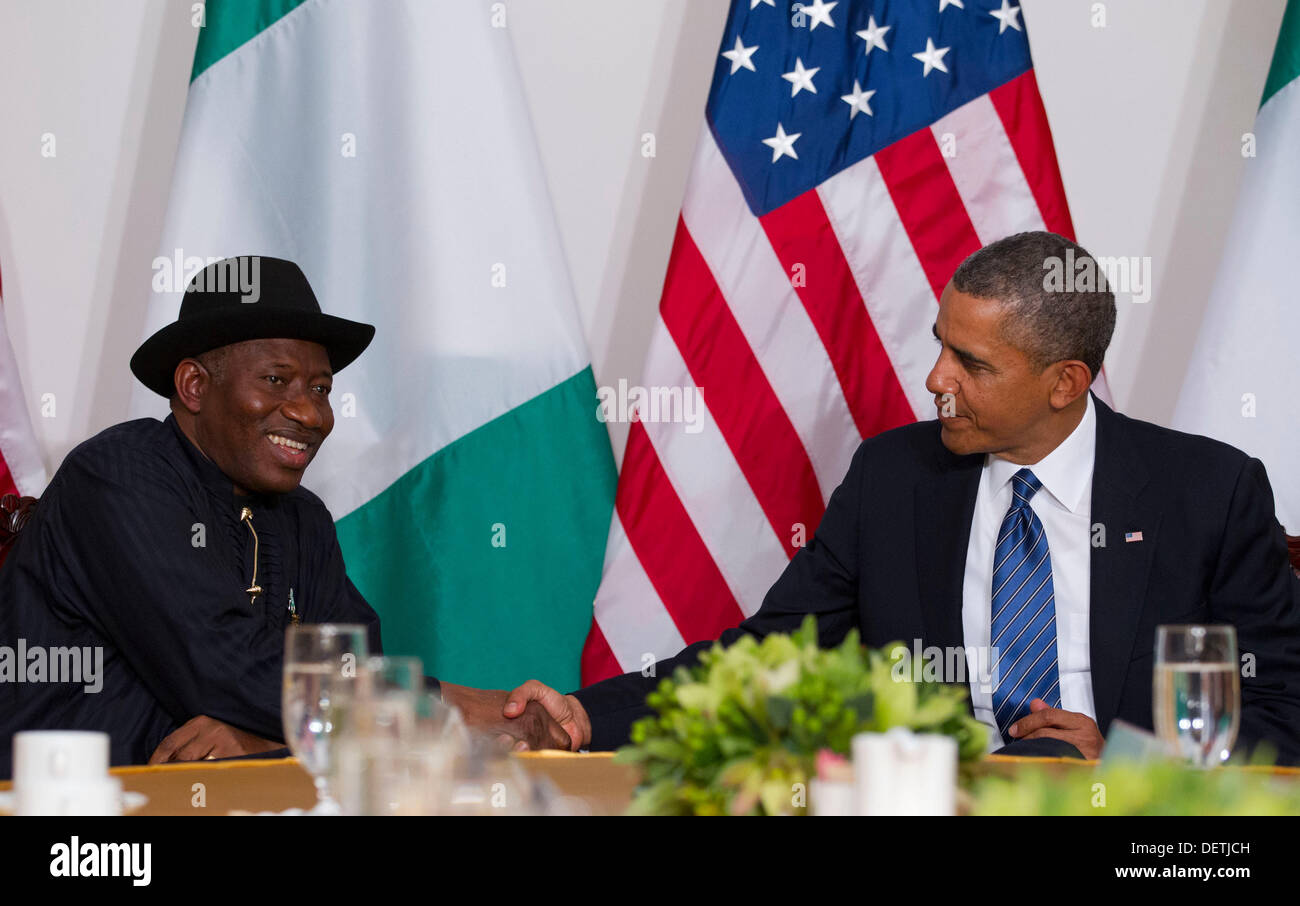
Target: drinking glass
point(1197, 691)
point(373, 756)
point(321, 665)
point(386, 673)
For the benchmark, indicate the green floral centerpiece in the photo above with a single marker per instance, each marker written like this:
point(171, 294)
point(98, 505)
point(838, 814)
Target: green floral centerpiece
point(738, 732)
point(1132, 788)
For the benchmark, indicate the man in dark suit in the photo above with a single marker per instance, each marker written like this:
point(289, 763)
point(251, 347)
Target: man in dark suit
point(1031, 519)
point(150, 594)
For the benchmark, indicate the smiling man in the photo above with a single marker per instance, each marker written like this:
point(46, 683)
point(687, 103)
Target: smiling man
point(182, 549)
point(1033, 526)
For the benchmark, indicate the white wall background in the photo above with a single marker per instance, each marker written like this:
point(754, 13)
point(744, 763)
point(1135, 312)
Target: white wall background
point(1147, 111)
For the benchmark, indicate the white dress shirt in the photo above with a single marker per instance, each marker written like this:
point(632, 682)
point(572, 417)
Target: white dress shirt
point(1064, 505)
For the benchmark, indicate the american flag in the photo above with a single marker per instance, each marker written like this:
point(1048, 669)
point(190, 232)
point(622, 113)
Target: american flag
point(21, 469)
point(853, 153)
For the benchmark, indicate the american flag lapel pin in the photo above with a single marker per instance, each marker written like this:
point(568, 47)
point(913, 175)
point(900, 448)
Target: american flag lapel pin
point(1132, 536)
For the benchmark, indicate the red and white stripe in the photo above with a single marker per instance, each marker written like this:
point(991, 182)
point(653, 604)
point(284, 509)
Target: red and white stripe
point(21, 469)
point(795, 373)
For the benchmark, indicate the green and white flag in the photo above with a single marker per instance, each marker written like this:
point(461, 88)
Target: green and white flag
point(386, 148)
point(1240, 386)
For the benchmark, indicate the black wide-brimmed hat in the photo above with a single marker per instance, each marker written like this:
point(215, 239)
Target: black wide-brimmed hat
point(252, 297)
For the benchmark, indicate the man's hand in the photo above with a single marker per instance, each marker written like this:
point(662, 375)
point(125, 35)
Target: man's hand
point(1079, 730)
point(205, 737)
point(565, 710)
point(525, 728)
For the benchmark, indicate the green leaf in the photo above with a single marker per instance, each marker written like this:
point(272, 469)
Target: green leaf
point(780, 712)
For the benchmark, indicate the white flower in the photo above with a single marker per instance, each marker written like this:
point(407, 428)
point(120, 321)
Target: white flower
point(778, 679)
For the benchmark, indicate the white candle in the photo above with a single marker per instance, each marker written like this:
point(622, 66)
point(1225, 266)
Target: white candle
point(904, 773)
point(64, 772)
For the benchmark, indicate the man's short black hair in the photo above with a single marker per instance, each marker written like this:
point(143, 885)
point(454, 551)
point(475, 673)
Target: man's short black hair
point(1048, 325)
point(216, 361)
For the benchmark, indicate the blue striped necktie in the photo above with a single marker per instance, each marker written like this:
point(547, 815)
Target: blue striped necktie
point(1024, 612)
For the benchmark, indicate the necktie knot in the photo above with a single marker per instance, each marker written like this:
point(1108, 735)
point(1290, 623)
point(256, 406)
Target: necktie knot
point(1024, 485)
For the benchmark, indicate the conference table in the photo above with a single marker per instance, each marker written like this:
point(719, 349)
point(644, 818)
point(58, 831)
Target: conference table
point(593, 783)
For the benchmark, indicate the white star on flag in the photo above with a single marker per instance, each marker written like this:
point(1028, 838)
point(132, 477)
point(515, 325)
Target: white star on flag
point(801, 78)
point(740, 57)
point(820, 13)
point(858, 101)
point(932, 57)
point(754, 3)
point(1006, 16)
point(782, 144)
point(874, 35)
point(944, 4)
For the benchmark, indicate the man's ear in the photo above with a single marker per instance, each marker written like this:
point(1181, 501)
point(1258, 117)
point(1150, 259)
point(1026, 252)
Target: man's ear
point(1072, 381)
point(191, 381)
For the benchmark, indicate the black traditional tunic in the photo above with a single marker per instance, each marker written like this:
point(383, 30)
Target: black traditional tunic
point(137, 549)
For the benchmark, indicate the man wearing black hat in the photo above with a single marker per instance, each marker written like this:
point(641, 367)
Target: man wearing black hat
point(170, 556)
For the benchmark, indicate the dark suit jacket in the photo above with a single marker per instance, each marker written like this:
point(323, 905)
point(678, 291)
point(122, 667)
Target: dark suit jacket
point(889, 559)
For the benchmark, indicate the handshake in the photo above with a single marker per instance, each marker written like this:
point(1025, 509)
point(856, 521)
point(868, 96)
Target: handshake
point(533, 716)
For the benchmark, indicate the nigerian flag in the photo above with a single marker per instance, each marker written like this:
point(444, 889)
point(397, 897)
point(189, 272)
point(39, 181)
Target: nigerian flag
point(386, 148)
point(1238, 387)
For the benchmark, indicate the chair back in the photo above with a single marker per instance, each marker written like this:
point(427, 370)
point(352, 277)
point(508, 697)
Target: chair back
point(15, 512)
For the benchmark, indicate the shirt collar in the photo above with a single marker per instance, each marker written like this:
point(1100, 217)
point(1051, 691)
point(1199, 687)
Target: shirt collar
point(210, 474)
point(1066, 472)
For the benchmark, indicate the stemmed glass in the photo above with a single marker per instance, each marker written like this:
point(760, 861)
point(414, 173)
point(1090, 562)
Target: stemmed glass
point(378, 771)
point(1197, 691)
point(386, 673)
point(322, 662)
